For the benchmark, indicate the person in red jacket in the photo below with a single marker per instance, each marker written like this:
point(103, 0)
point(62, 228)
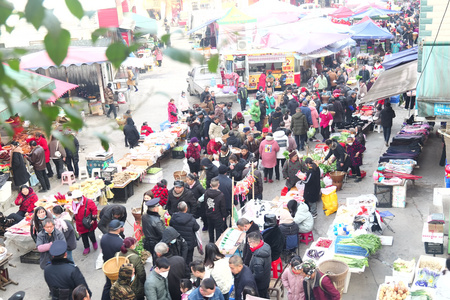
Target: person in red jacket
point(145, 129)
point(26, 200)
point(84, 207)
point(160, 191)
point(317, 285)
point(41, 141)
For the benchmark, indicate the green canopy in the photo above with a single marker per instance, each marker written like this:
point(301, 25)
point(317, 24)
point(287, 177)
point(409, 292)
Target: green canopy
point(144, 24)
point(33, 82)
point(235, 16)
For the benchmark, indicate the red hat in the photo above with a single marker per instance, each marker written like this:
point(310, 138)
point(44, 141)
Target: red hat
point(303, 90)
point(239, 114)
point(265, 129)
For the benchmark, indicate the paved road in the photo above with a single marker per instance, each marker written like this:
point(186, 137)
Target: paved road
point(150, 104)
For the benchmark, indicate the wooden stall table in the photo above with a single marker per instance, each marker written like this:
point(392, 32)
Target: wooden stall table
point(123, 192)
point(4, 273)
point(230, 240)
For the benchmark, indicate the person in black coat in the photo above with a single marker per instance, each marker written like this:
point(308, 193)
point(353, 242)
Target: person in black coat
point(342, 159)
point(186, 225)
point(233, 140)
point(18, 167)
point(195, 128)
point(210, 169)
point(177, 244)
point(248, 227)
point(197, 190)
point(216, 211)
point(179, 193)
point(131, 134)
point(276, 118)
point(272, 235)
point(226, 187)
point(311, 193)
point(260, 263)
point(292, 106)
point(152, 226)
point(237, 166)
point(365, 74)
point(206, 124)
point(62, 276)
point(243, 277)
point(386, 116)
point(72, 157)
point(109, 213)
point(224, 155)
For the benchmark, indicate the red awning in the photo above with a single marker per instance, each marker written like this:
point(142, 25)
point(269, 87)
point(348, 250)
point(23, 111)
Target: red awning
point(75, 56)
point(108, 17)
point(62, 87)
point(365, 19)
point(342, 12)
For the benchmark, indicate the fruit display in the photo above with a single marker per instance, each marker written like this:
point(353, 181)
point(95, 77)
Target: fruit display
point(90, 188)
point(324, 243)
point(394, 291)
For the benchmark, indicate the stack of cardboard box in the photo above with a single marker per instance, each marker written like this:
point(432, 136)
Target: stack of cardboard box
point(433, 234)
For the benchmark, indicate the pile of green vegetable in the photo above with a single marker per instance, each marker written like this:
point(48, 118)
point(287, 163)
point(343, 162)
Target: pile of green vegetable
point(286, 154)
point(370, 242)
point(352, 262)
point(328, 168)
point(420, 294)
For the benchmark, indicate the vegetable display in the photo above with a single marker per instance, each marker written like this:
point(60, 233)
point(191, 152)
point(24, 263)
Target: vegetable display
point(393, 292)
point(430, 264)
point(404, 266)
point(325, 243)
point(370, 242)
point(421, 294)
point(314, 254)
point(352, 262)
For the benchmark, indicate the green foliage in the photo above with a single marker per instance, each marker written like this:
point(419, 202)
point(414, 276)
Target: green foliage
point(6, 8)
point(75, 8)
point(57, 44)
point(35, 12)
point(117, 52)
point(213, 63)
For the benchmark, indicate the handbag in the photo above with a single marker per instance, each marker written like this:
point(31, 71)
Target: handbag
point(87, 219)
point(57, 152)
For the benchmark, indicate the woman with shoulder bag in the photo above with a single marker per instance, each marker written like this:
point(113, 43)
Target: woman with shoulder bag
point(58, 155)
point(85, 217)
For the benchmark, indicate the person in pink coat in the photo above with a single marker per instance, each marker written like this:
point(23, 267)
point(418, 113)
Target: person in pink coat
point(293, 280)
point(172, 110)
point(315, 119)
point(268, 151)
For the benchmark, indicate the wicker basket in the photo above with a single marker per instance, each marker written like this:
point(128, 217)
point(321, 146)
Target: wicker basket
point(180, 175)
point(112, 266)
point(337, 271)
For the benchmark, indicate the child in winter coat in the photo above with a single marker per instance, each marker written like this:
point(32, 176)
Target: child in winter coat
point(293, 281)
point(185, 288)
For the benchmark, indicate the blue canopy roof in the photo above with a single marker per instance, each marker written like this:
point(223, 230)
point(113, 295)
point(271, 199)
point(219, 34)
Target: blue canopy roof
point(375, 12)
point(399, 58)
point(368, 30)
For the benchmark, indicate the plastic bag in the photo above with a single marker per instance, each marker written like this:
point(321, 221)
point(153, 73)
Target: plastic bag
point(330, 200)
point(327, 180)
point(300, 186)
point(199, 242)
point(138, 232)
point(99, 261)
point(186, 166)
point(311, 132)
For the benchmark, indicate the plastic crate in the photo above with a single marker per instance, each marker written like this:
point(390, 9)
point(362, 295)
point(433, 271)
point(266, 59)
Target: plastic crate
point(434, 248)
point(348, 249)
point(32, 257)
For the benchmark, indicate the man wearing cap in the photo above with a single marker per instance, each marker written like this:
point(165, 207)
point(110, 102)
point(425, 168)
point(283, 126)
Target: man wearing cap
point(44, 240)
point(179, 193)
point(62, 276)
point(111, 243)
point(152, 225)
point(210, 169)
point(109, 213)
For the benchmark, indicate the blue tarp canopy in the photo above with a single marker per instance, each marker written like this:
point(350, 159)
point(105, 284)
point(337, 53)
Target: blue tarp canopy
point(203, 25)
point(399, 58)
point(375, 13)
point(368, 31)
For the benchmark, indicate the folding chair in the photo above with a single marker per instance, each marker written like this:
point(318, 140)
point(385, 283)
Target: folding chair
point(387, 217)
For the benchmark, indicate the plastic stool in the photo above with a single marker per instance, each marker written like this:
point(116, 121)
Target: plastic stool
point(95, 171)
point(68, 178)
point(306, 237)
point(83, 173)
point(277, 267)
point(377, 128)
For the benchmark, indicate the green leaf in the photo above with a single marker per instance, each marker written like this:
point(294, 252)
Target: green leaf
point(76, 122)
point(9, 29)
point(117, 53)
point(182, 56)
point(98, 33)
point(52, 23)
point(20, 51)
point(14, 64)
point(6, 9)
point(165, 38)
point(35, 12)
point(57, 45)
point(213, 63)
point(103, 139)
point(66, 140)
point(75, 8)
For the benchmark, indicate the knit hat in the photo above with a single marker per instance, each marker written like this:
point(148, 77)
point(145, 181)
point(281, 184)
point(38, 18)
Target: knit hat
point(239, 114)
point(293, 154)
point(285, 217)
point(246, 129)
point(303, 90)
point(265, 129)
point(194, 140)
point(269, 138)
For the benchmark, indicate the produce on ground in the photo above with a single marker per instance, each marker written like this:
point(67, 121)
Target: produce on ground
point(393, 292)
point(420, 294)
point(430, 263)
point(352, 262)
point(404, 266)
point(325, 243)
point(370, 242)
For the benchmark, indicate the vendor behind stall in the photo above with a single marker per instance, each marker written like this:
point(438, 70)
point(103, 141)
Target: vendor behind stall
point(18, 167)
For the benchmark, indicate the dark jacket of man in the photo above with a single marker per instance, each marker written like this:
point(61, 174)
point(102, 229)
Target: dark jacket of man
point(106, 217)
point(37, 158)
point(275, 119)
point(187, 196)
point(178, 270)
point(186, 226)
point(307, 112)
point(243, 279)
point(292, 106)
point(153, 228)
point(386, 116)
point(215, 204)
point(274, 238)
point(177, 248)
point(338, 151)
point(260, 265)
point(247, 253)
point(206, 124)
point(203, 96)
point(62, 277)
point(234, 141)
point(237, 171)
point(69, 152)
point(253, 147)
point(210, 169)
point(242, 93)
point(299, 124)
point(365, 74)
point(110, 244)
point(131, 134)
point(226, 187)
point(44, 238)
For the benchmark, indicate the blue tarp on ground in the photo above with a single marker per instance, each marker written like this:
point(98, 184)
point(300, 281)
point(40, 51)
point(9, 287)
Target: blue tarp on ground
point(399, 58)
point(368, 31)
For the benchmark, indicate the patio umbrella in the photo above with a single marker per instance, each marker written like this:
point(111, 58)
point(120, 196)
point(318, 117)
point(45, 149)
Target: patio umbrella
point(341, 12)
point(307, 42)
point(375, 13)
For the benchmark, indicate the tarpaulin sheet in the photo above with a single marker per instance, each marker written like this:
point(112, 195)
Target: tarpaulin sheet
point(392, 60)
point(368, 31)
point(393, 82)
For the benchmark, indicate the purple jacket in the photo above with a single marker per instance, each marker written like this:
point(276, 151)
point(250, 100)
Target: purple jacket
point(352, 150)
